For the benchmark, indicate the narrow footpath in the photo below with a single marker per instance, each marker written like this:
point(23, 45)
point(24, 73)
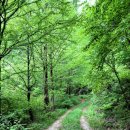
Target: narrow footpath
point(57, 125)
point(83, 122)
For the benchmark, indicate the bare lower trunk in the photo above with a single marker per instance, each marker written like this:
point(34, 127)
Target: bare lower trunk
point(0, 88)
point(30, 112)
point(0, 54)
point(51, 79)
point(46, 98)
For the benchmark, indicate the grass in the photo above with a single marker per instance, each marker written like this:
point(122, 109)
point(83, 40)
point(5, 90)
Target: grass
point(44, 120)
point(94, 117)
point(72, 120)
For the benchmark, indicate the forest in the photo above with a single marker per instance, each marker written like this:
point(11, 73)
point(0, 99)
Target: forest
point(64, 64)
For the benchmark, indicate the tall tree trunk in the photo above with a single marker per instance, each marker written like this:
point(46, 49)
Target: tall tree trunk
point(69, 89)
point(69, 84)
point(51, 80)
point(46, 94)
point(28, 84)
point(0, 88)
point(1, 53)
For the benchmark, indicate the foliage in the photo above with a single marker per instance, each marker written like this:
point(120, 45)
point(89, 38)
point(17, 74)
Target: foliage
point(12, 121)
point(96, 122)
point(55, 53)
point(72, 120)
point(68, 102)
point(45, 119)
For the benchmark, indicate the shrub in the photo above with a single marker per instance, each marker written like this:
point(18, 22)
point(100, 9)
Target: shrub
point(12, 121)
point(67, 102)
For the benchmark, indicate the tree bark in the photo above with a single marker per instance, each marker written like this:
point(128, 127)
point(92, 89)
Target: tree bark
point(69, 85)
point(51, 80)
point(46, 94)
point(0, 55)
point(0, 89)
point(30, 112)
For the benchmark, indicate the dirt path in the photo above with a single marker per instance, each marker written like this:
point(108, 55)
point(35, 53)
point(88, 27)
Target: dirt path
point(57, 124)
point(84, 123)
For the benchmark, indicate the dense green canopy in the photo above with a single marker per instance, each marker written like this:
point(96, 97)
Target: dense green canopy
point(55, 53)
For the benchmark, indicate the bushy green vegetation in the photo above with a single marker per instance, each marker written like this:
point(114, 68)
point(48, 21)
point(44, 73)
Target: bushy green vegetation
point(72, 121)
point(53, 54)
point(16, 116)
point(45, 119)
point(68, 102)
point(93, 114)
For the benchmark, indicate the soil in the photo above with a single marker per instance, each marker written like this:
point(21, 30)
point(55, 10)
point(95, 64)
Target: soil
point(57, 125)
point(83, 122)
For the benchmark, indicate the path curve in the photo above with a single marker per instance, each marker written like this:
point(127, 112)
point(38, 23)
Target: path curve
point(58, 123)
point(83, 122)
